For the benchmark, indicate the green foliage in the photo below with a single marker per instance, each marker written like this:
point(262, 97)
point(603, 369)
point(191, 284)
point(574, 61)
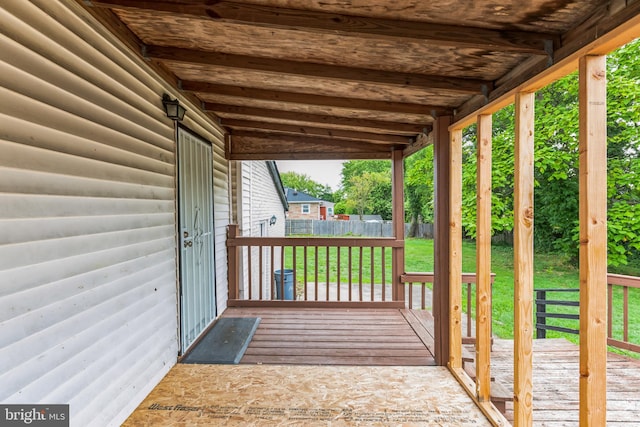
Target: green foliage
point(556, 167)
point(556, 164)
point(367, 186)
point(302, 182)
point(418, 186)
point(358, 167)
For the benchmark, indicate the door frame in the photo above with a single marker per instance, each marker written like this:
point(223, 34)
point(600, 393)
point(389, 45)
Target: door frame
point(179, 241)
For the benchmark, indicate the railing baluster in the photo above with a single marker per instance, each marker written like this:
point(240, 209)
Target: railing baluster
point(350, 275)
point(384, 281)
point(305, 273)
point(338, 268)
point(625, 313)
point(423, 304)
point(610, 310)
point(260, 272)
point(250, 268)
point(360, 275)
point(295, 270)
point(272, 276)
point(328, 270)
point(316, 275)
point(373, 269)
point(410, 295)
point(282, 272)
point(469, 310)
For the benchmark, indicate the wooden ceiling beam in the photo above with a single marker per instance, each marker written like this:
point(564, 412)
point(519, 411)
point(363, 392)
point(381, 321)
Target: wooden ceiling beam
point(247, 145)
point(436, 34)
point(421, 141)
point(390, 127)
point(323, 71)
point(309, 99)
point(315, 131)
point(595, 37)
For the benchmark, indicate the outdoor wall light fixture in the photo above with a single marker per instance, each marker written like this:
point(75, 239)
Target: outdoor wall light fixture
point(172, 107)
point(273, 220)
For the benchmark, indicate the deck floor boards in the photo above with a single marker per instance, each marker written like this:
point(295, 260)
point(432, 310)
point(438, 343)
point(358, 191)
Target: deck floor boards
point(359, 337)
point(389, 337)
point(556, 383)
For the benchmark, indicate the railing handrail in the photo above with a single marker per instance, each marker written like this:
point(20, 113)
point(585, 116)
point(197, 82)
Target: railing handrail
point(428, 277)
point(389, 242)
point(623, 280)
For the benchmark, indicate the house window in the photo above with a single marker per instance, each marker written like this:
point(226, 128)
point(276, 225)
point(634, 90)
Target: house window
point(329, 211)
point(306, 208)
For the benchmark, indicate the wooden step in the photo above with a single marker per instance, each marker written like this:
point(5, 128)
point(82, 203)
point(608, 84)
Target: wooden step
point(500, 394)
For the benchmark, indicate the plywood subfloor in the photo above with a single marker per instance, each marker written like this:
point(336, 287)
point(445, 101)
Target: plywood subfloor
point(556, 378)
point(334, 336)
point(272, 395)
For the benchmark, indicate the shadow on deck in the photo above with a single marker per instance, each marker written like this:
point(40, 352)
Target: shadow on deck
point(358, 337)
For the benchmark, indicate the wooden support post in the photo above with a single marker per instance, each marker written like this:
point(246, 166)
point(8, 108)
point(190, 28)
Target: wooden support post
point(234, 258)
point(455, 252)
point(483, 260)
point(441, 301)
point(397, 261)
point(593, 241)
point(523, 261)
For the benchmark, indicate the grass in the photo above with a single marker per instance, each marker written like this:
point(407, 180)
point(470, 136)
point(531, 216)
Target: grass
point(551, 271)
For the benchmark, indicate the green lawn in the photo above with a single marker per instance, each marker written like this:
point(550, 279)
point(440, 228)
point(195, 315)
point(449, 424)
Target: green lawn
point(551, 271)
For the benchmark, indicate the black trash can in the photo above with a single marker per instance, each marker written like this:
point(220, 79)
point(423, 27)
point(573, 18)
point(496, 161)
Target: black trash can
point(284, 289)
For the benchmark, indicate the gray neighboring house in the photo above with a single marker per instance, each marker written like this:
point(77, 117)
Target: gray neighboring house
point(304, 206)
point(260, 208)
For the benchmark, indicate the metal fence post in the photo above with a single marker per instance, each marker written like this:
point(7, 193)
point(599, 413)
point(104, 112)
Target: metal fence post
point(541, 309)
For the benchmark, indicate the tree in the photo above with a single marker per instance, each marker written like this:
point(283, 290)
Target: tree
point(418, 188)
point(367, 186)
point(302, 182)
point(556, 163)
point(358, 167)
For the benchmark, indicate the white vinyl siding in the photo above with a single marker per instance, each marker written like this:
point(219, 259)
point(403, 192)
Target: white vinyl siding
point(88, 295)
point(260, 201)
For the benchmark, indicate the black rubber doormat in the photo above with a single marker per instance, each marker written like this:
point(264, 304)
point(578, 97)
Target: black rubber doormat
point(226, 342)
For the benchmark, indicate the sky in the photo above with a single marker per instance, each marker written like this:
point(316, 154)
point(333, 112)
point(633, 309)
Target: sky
point(326, 172)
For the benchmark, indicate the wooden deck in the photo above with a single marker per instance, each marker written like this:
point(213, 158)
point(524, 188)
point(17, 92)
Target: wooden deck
point(379, 337)
point(555, 383)
point(333, 336)
point(318, 367)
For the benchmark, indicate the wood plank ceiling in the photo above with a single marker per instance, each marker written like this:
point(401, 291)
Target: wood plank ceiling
point(322, 79)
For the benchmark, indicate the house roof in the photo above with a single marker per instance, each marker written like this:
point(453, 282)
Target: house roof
point(277, 181)
point(295, 196)
point(357, 79)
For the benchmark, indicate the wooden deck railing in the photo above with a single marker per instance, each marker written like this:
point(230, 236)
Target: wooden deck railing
point(319, 270)
point(615, 282)
point(420, 280)
point(620, 288)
